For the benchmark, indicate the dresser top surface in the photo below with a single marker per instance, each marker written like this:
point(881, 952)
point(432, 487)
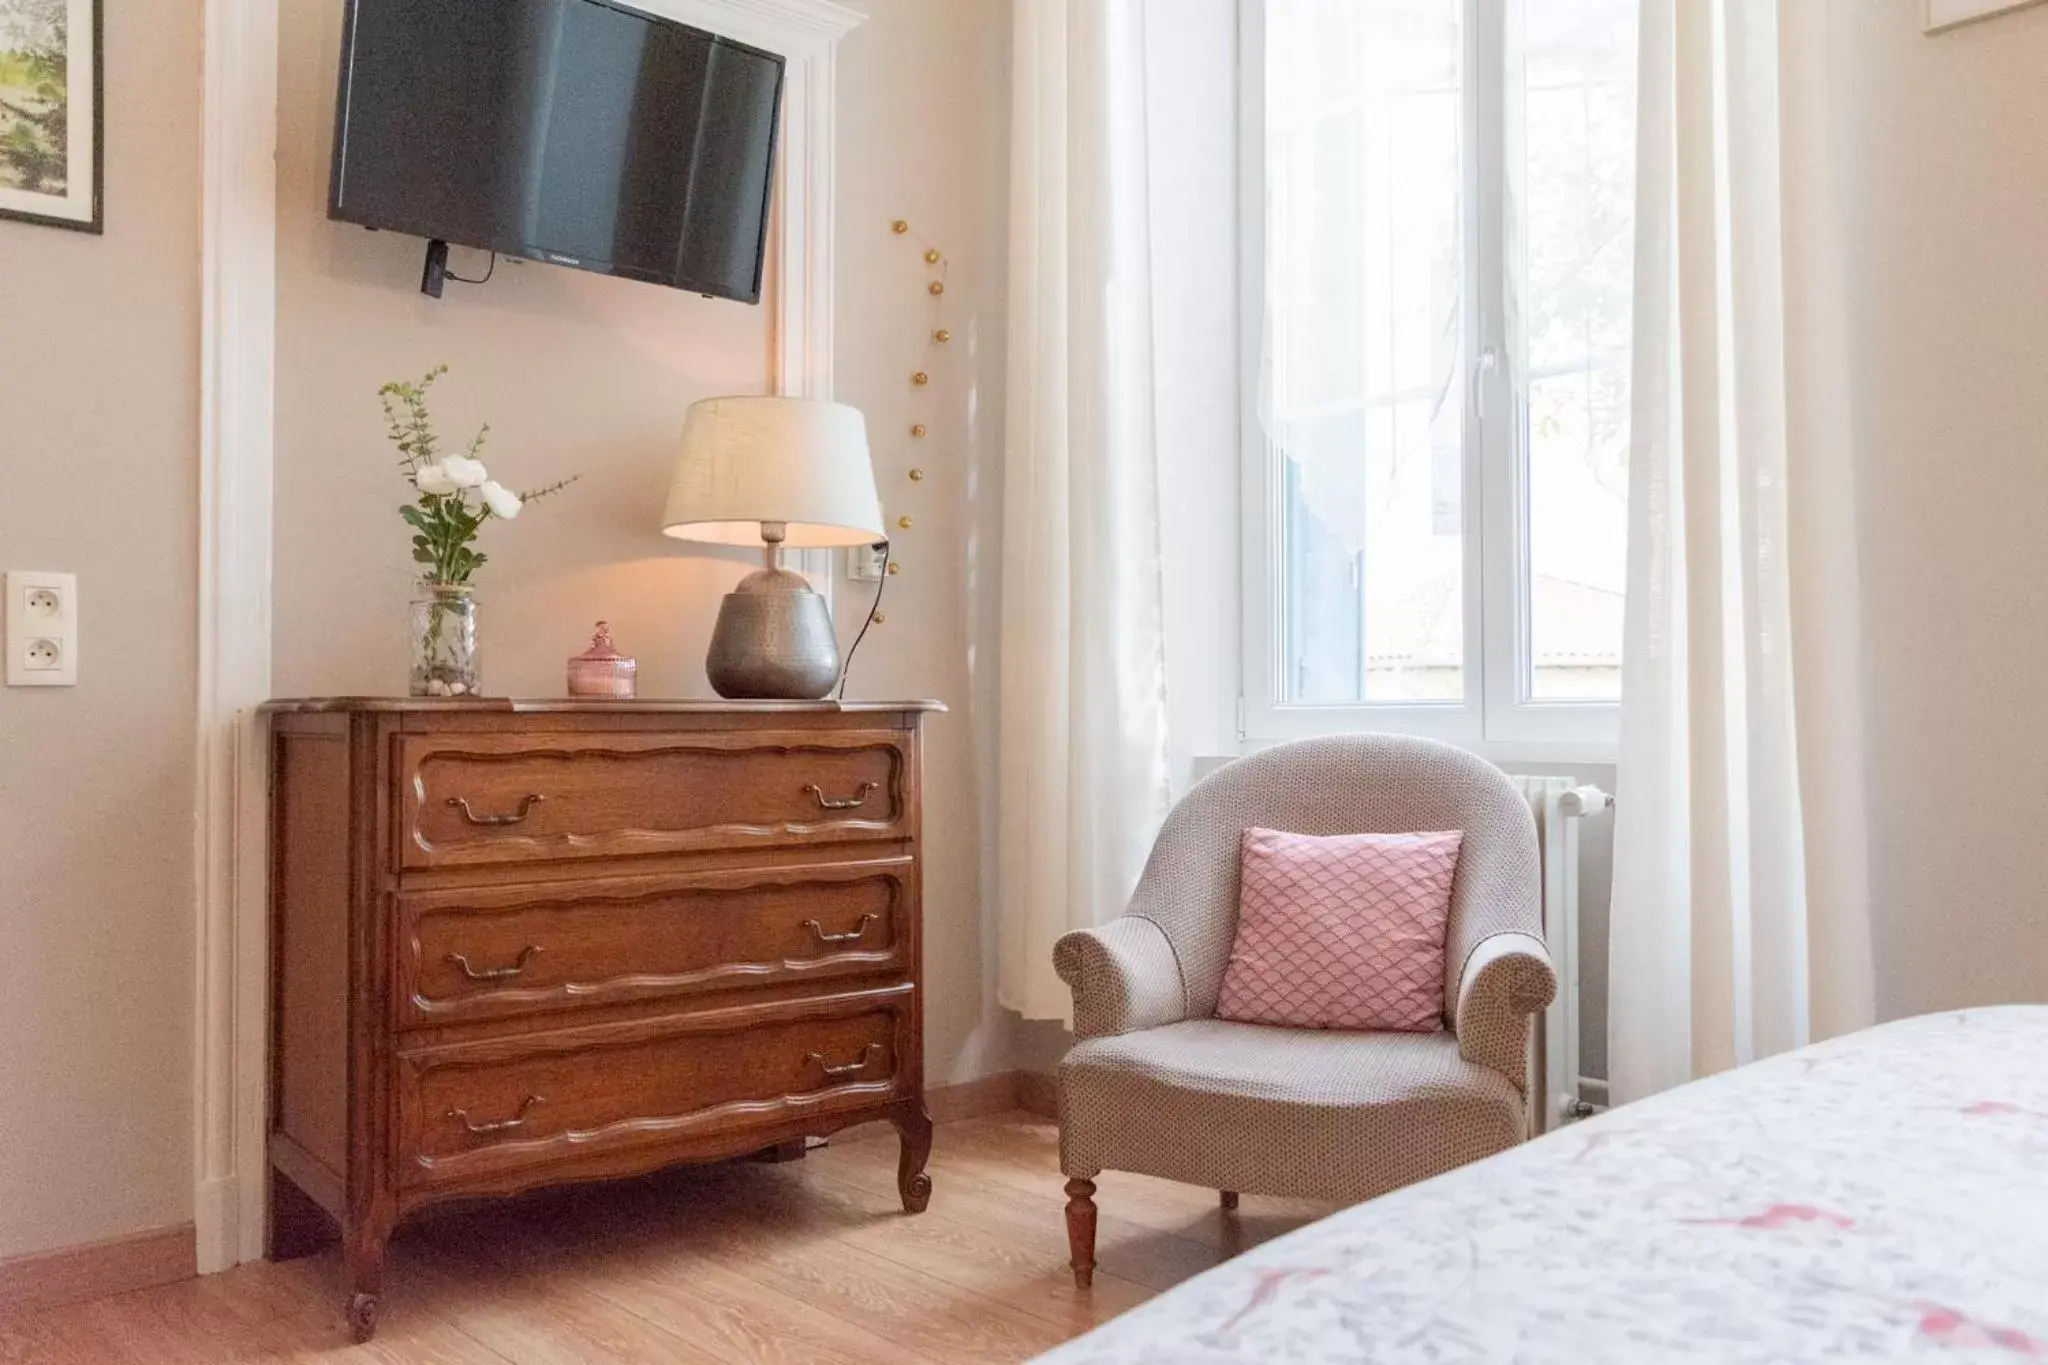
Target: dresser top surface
point(587, 706)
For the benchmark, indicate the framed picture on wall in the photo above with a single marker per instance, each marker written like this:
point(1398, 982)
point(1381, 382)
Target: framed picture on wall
point(1937, 15)
point(50, 112)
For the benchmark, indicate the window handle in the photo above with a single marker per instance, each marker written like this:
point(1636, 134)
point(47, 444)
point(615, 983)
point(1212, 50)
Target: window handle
point(1487, 361)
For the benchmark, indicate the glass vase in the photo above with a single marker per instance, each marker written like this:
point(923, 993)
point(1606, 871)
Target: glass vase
point(444, 641)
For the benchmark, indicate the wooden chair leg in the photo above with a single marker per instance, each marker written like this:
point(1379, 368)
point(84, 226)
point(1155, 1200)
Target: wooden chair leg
point(1229, 1198)
point(1081, 1231)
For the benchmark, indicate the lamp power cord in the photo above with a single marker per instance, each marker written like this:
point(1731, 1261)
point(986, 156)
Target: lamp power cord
point(881, 582)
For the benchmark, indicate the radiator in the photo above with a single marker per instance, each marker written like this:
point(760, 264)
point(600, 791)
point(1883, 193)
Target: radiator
point(1560, 806)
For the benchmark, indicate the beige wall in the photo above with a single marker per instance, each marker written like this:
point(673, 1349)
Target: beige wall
point(578, 373)
point(1948, 277)
point(99, 385)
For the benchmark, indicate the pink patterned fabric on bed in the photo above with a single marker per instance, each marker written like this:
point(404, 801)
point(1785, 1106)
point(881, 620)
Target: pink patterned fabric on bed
point(1882, 1197)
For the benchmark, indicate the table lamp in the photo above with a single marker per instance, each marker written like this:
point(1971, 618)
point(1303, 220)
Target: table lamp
point(774, 472)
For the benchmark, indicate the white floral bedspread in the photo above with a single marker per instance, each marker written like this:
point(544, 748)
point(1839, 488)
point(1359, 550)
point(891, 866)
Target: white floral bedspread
point(1882, 1197)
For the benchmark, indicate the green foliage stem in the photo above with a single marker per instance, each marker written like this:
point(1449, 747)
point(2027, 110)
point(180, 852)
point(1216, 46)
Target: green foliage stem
point(445, 525)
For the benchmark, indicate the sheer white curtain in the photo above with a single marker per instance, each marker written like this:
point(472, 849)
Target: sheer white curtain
point(1083, 777)
point(1740, 916)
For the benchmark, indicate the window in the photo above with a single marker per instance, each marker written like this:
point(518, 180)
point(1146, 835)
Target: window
point(1438, 255)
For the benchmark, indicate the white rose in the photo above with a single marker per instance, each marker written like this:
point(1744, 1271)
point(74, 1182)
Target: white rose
point(502, 501)
point(433, 478)
point(465, 472)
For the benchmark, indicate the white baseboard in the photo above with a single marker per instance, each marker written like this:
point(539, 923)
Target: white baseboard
point(216, 1220)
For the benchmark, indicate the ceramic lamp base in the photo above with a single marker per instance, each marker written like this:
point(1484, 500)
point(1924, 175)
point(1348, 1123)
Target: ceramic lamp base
point(773, 641)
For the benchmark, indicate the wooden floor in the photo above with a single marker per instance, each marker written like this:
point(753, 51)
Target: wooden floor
point(809, 1263)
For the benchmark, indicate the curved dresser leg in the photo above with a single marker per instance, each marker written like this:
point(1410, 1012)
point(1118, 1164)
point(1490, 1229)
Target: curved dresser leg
point(914, 1127)
point(362, 1259)
point(1081, 1231)
point(362, 1317)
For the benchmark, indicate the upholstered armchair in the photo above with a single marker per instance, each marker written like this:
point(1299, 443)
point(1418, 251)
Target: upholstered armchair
point(1156, 1084)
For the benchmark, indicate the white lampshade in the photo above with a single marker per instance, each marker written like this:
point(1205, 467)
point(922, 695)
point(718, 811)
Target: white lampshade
point(794, 460)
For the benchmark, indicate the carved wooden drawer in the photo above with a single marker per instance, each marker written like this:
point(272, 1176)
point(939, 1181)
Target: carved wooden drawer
point(523, 1103)
point(525, 943)
point(495, 798)
point(496, 952)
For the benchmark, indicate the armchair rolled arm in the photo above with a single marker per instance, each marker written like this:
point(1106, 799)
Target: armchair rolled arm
point(1507, 977)
point(1125, 976)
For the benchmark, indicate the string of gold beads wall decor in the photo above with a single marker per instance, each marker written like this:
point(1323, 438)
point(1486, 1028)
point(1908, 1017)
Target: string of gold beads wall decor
point(936, 337)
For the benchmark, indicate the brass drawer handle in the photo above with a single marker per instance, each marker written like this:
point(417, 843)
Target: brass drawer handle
point(854, 935)
point(518, 1120)
point(825, 802)
point(853, 1068)
point(519, 964)
point(526, 805)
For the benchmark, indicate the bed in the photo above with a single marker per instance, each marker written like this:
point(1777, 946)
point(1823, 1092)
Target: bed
point(1881, 1197)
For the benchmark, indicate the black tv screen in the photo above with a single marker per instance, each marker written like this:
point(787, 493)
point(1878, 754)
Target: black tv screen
point(572, 131)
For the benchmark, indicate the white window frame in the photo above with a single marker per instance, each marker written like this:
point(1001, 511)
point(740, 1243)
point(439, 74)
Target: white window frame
point(1496, 719)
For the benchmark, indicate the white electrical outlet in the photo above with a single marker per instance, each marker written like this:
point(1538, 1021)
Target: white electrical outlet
point(42, 629)
point(867, 563)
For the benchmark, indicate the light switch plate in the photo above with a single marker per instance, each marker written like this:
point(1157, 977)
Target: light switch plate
point(42, 629)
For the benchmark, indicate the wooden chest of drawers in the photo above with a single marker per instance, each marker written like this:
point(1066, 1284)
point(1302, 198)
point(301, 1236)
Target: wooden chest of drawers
point(516, 944)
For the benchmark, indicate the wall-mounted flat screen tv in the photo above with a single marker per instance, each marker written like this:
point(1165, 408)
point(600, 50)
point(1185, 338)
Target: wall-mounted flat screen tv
point(578, 132)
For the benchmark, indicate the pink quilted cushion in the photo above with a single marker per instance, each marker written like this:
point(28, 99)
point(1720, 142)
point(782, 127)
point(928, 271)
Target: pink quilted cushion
point(1341, 931)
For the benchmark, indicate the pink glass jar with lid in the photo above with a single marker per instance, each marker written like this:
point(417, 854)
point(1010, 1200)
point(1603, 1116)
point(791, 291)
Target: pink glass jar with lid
point(601, 671)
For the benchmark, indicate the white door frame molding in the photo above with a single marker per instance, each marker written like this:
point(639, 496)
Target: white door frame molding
point(230, 1128)
point(238, 280)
